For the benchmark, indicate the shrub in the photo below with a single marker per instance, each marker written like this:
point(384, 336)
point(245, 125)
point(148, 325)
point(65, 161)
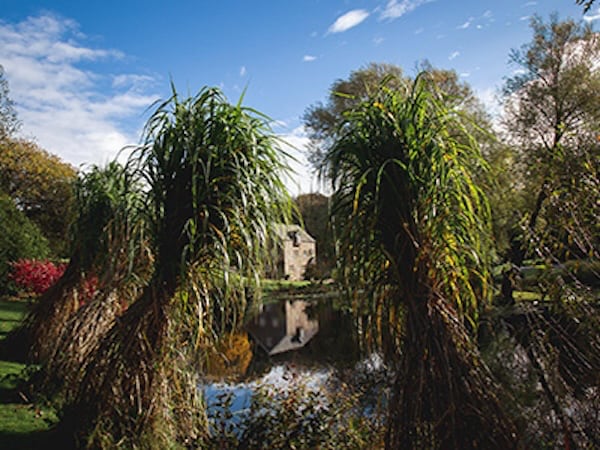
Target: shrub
point(35, 276)
point(19, 238)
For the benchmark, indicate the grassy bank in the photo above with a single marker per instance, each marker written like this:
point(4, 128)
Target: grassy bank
point(24, 424)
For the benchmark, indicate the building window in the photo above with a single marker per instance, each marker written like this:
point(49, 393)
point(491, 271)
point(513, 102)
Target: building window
point(295, 237)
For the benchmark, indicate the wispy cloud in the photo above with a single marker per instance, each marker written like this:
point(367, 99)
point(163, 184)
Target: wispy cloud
point(395, 8)
point(309, 58)
point(467, 24)
point(454, 55)
point(243, 71)
point(528, 4)
point(62, 104)
point(133, 81)
point(419, 30)
point(486, 18)
point(592, 18)
point(378, 40)
point(348, 20)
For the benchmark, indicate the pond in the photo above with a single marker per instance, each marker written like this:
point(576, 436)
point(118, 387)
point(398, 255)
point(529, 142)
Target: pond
point(305, 354)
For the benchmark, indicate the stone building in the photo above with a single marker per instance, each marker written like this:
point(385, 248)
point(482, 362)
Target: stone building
point(298, 250)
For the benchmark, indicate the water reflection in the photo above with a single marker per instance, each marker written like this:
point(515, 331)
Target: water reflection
point(283, 326)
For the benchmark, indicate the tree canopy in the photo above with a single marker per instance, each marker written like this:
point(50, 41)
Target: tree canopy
point(322, 120)
point(41, 185)
point(19, 238)
point(552, 111)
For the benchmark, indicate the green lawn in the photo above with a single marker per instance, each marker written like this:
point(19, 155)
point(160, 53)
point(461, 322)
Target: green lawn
point(23, 424)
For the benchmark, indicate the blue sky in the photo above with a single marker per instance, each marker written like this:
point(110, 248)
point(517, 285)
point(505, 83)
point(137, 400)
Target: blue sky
point(83, 73)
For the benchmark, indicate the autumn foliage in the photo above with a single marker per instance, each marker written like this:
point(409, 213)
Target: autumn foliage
point(35, 276)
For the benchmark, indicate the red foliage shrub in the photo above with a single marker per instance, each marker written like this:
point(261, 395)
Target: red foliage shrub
point(35, 276)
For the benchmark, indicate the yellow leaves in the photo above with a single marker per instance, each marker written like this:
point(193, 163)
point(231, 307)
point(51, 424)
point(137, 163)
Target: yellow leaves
point(230, 357)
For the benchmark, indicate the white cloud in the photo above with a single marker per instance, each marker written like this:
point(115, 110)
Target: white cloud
point(490, 100)
point(467, 24)
point(486, 18)
point(73, 112)
point(395, 8)
point(524, 18)
point(592, 18)
point(302, 180)
point(419, 30)
point(242, 71)
point(132, 81)
point(528, 4)
point(378, 40)
point(308, 58)
point(454, 55)
point(348, 20)
point(465, 74)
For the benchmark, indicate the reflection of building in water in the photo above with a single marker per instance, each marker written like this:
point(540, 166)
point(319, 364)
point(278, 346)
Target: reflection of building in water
point(298, 250)
point(283, 326)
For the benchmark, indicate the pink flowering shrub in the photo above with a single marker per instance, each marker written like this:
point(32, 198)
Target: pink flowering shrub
point(35, 276)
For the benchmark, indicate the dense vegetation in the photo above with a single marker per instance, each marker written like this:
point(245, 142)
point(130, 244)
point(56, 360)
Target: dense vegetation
point(469, 258)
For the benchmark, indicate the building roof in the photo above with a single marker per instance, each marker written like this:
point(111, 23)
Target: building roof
point(286, 233)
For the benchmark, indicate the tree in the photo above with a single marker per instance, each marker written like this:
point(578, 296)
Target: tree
point(19, 238)
point(9, 123)
point(414, 244)
point(314, 211)
point(214, 194)
point(40, 184)
point(587, 4)
point(322, 119)
point(552, 111)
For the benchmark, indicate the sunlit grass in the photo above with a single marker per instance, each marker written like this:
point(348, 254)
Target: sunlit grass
point(21, 421)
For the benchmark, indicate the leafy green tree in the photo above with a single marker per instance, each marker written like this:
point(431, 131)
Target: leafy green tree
point(314, 210)
point(214, 194)
point(414, 246)
point(41, 185)
point(19, 238)
point(552, 111)
point(322, 119)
